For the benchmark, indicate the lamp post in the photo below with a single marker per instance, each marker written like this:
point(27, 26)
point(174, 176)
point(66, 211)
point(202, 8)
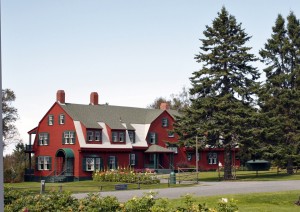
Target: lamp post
point(197, 157)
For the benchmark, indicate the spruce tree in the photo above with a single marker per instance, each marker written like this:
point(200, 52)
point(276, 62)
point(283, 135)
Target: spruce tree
point(280, 95)
point(221, 112)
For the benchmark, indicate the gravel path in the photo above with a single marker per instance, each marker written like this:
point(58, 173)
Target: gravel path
point(208, 189)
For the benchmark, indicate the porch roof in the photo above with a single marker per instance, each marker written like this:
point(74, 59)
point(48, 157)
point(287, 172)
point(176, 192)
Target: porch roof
point(68, 152)
point(158, 149)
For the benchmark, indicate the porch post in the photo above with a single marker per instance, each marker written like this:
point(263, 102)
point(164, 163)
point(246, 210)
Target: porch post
point(155, 161)
point(29, 157)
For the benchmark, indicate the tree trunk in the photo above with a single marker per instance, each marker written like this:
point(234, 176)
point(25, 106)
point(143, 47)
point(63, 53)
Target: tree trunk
point(227, 163)
point(289, 167)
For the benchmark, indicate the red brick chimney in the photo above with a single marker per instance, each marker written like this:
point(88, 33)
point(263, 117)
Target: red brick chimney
point(164, 106)
point(60, 96)
point(94, 98)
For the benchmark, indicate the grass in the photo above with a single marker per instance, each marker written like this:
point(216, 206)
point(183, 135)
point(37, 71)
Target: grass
point(83, 186)
point(271, 175)
point(92, 186)
point(258, 202)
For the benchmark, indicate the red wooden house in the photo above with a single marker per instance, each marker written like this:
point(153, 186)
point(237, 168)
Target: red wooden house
point(73, 140)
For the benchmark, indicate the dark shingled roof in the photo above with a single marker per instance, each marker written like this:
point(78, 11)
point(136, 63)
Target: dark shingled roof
point(113, 116)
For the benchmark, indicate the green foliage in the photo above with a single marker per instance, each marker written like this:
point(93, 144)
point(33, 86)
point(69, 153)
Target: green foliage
point(280, 95)
point(63, 201)
point(15, 164)
point(9, 115)
point(222, 112)
point(125, 176)
point(51, 202)
point(95, 203)
point(142, 204)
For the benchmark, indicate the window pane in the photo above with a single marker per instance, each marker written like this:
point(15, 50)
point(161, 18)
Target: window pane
point(121, 137)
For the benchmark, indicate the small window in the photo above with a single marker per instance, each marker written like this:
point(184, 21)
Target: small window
point(97, 135)
point(92, 164)
point(189, 156)
point(69, 137)
point(44, 163)
point(50, 120)
point(132, 159)
point(90, 135)
point(114, 136)
point(112, 162)
point(152, 138)
point(118, 136)
point(165, 122)
point(43, 139)
point(131, 134)
point(212, 158)
point(61, 119)
point(170, 134)
point(121, 137)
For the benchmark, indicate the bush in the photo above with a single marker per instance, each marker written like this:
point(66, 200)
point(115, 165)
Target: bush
point(63, 201)
point(125, 176)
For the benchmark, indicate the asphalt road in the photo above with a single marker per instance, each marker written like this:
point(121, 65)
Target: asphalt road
point(207, 189)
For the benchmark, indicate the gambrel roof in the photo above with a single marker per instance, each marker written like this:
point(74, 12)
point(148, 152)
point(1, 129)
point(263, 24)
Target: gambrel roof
point(116, 117)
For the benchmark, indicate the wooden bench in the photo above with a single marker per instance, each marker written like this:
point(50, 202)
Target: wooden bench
point(121, 187)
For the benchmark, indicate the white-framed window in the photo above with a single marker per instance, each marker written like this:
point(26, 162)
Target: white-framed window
point(152, 138)
point(50, 120)
point(131, 135)
point(92, 163)
point(132, 159)
point(90, 135)
point(69, 137)
point(114, 136)
point(61, 119)
point(43, 139)
point(44, 163)
point(121, 137)
point(112, 162)
point(97, 135)
point(165, 122)
point(118, 136)
point(174, 149)
point(212, 158)
point(98, 163)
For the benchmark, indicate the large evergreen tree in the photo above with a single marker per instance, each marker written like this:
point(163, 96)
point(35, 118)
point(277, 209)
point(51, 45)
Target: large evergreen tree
point(280, 95)
point(222, 105)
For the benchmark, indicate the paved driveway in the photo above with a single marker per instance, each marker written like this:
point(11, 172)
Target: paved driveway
point(208, 189)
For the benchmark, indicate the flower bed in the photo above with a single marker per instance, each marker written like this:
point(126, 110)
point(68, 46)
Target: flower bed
point(125, 176)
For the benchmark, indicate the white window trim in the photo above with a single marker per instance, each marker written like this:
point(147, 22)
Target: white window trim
point(61, 119)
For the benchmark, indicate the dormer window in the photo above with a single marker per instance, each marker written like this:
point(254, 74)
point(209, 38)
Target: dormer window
point(94, 135)
point(165, 122)
point(131, 134)
point(50, 120)
point(61, 119)
point(118, 136)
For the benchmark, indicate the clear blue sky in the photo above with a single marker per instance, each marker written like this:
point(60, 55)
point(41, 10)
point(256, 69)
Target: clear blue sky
point(130, 52)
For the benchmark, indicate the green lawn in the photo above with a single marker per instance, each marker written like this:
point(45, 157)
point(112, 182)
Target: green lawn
point(92, 186)
point(258, 202)
point(240, 176)
point(84, 186)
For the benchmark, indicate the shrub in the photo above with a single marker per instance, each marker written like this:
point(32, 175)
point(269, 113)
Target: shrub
point(125, 176)
point(142, 204)
point(96, 203)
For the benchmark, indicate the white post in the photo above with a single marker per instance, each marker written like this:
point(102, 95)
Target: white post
point(1, 130)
